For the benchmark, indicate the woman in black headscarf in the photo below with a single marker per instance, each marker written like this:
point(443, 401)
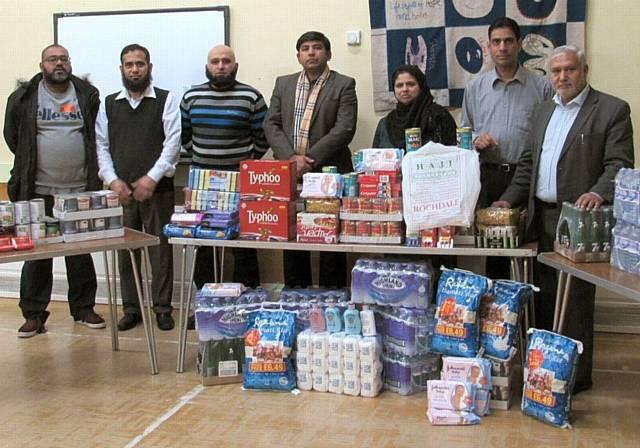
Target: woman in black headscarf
point(415, 109)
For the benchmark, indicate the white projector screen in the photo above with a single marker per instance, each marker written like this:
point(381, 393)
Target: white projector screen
point(178, 40)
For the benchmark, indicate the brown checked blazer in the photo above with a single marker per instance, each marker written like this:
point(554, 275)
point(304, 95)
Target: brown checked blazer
point(599, 143)
point(333, 122)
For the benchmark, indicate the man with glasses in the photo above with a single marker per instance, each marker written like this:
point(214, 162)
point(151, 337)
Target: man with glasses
point(49, 127)
point(497, 106)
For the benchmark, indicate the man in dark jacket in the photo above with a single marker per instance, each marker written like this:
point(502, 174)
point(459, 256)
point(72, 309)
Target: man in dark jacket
point(311, 120)
point(49, 127)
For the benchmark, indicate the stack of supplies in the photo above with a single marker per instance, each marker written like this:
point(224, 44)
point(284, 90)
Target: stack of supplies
point(88, 216)
point(584, 235)
point(500, 228)
point(625, 244)
point(372, 203)
point(319, 223)
point(268, 194)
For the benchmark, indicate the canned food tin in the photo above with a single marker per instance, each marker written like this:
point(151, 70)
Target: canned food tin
point(350, 204)
point(84, 202)
point(114, 201)
point(22, 212)
point(98, 201)
point(349, 227)
point(114, 222)
point(98, 224)
point(463, 136)
point(6, 214)
point(67, 203)
point(23, 229)
point(52, 227)
point(36, 210)
point(394, 205)
point(394, 228)
point(69, 227)
point(363, 228)
point(376, 228)
point(379, 205)
point(364, 205)
point(83, 225)
point(38, 230)
point(412, 139)
point(330, 169)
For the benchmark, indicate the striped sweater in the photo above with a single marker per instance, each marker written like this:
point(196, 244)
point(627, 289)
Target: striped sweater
point(220, 128)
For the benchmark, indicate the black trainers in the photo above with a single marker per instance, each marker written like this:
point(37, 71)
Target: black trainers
point(165, 321)
point(92, 320)
point(31, 327)
point(129, 321)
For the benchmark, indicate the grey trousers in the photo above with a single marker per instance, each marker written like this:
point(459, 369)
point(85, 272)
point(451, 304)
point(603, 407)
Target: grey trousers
point(149, 216)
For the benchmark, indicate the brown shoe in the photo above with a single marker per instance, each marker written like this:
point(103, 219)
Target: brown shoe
point(31, 327)
point(92, 320)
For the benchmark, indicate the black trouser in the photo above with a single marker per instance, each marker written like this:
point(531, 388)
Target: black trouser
point(150, 216)
point(495, 178)
point(581, 307)
point(297, 269)
point(245, 267)
point(36, 282)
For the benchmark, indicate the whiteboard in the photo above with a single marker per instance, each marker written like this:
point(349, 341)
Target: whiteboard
point(177, 39)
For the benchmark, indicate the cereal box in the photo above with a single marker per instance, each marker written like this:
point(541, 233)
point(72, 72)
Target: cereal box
point(267, 220)
point(273, 180)
point(317, 228)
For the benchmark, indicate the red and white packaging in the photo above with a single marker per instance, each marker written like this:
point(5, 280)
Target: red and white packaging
point(323, 228)
point(267, 220)
point(270, 180)
point(376, 184)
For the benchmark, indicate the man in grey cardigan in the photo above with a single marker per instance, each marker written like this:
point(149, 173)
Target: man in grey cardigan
point(311, 120)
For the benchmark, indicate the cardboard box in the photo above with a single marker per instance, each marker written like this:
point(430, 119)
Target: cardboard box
point(267, 220)
point(321, 228)
point(273, 180)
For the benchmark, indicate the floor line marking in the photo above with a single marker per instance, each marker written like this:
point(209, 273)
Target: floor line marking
point(159, 421)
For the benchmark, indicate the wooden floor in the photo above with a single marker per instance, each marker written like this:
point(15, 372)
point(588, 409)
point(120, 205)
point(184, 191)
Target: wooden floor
point(67, 388)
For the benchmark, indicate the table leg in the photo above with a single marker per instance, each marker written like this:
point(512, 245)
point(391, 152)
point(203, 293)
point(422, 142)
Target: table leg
point(114, 286)
point(112, 317)
point(145, 322)
point(222, 265)
point(214, 251)
point(562, 276)
point(184, 315)
point(565, 303)
point(183, 335)
point(147, 291)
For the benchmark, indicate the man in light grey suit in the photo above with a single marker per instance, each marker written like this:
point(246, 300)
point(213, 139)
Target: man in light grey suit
point(578, 142)
point(311, 120)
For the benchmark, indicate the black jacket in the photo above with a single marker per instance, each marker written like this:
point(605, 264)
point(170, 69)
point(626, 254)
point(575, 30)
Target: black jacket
point(20, 133)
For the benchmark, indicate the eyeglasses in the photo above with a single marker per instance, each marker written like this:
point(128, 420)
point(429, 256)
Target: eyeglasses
point(55, 59)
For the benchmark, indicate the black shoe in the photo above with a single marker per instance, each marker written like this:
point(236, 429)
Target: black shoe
point(129, 321)
point(165, 321)
point(191, 323)
point(581, 386)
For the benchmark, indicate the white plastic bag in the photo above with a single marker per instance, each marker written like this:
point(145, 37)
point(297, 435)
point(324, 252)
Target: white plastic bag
point(441, 185)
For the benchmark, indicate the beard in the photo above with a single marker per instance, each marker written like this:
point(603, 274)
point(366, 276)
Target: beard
point(54, 77)
point(221, 82)
point(137, 86)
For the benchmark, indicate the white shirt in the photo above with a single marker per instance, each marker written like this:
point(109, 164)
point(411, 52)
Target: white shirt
point(171, 121)
point(554, 137)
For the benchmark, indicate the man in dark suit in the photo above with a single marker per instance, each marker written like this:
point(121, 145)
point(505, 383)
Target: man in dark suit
point(311, 120)
point(578, 142)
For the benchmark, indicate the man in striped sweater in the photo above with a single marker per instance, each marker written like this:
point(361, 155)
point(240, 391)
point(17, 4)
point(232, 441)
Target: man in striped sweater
point(221, 126)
